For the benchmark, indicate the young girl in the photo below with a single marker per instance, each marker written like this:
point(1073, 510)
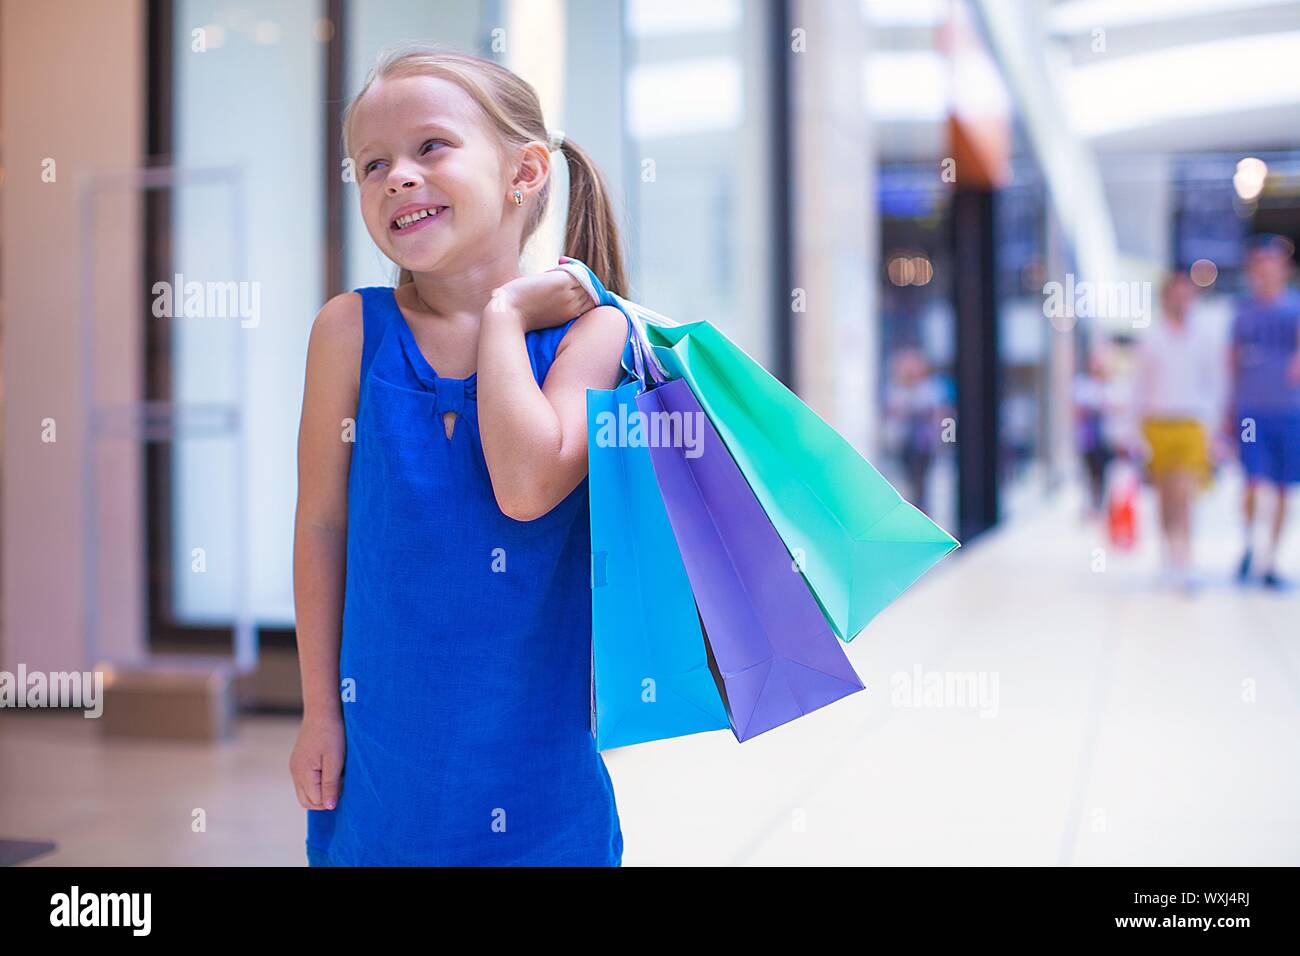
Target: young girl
point(442, 543)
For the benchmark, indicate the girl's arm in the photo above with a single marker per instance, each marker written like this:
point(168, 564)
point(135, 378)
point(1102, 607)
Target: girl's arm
point(535, 439)
point(320, 540)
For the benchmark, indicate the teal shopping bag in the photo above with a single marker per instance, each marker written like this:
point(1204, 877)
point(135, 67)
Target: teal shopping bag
point(858, 542)
point(650, 671)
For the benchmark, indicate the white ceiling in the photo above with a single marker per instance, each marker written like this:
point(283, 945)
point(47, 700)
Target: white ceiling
point(1134, 75)
point(1178, 75)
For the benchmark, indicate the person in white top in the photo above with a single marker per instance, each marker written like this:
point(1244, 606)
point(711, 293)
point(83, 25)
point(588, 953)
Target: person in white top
point(1178, 398)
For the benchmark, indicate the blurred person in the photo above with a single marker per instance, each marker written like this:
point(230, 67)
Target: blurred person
point(469, 689)
point(1177, 393)
point(1095, 410)
point(1264, 371)
point(914, 399)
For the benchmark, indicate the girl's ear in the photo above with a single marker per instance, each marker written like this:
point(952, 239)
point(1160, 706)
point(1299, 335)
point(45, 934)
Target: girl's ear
point(534, 167)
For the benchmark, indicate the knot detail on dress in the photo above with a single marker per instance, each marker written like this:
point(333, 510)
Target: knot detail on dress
point(452, 393)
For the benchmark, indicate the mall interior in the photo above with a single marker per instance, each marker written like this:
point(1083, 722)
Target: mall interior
point(949, 226)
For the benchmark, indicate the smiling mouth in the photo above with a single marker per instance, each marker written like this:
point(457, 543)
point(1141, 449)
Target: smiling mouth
point(412, 218)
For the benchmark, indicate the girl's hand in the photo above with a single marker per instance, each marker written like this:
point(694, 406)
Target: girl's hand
point(542, 301)
point(316, 764)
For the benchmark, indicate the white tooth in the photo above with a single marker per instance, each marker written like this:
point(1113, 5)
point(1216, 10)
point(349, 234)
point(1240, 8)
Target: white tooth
point(404, 221)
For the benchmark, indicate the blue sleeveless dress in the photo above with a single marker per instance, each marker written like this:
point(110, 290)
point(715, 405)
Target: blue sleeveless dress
point(465, 655)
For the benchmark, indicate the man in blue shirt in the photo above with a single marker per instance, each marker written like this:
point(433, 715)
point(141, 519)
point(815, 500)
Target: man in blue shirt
point(1264, 365)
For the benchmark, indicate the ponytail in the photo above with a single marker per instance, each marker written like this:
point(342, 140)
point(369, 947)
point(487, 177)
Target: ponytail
point(591, 232)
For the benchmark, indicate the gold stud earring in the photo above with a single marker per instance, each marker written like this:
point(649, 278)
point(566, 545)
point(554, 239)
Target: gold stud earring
point(519, 198)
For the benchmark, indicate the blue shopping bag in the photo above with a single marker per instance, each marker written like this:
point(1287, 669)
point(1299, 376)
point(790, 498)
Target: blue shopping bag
point(651, 677)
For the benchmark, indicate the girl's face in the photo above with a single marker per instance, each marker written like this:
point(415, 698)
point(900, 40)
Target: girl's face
point(422, 150)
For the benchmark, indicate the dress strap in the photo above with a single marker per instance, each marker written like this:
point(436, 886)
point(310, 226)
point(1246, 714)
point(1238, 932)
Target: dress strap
point(375, 317)
point(542, 345)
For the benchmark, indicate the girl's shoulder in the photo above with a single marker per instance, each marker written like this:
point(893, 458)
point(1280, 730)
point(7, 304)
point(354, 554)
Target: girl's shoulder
point(600, 322)
point(341, 318)
point(602, 330)
point(337, 336)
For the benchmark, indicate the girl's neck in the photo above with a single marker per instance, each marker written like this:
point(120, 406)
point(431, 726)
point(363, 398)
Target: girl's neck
point(467, 292)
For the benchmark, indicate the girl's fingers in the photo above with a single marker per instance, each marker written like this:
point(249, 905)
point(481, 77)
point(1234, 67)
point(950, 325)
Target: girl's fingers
point(329, 781)
point(302, 797)
point(312, 785)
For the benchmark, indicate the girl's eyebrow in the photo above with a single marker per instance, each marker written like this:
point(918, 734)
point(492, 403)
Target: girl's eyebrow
point(426, 128)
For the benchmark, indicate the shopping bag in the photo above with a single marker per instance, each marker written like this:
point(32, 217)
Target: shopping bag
point(858, 542)
point(775, 655)
point(650, 674)
point(1121, 506)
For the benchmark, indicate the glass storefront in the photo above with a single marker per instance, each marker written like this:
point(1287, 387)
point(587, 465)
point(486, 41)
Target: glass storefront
point(917, 397)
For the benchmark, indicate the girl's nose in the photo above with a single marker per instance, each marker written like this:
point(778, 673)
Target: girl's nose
point(400, 178)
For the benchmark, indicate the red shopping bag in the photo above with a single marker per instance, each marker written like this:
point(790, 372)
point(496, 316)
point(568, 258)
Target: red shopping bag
point(1121, 510)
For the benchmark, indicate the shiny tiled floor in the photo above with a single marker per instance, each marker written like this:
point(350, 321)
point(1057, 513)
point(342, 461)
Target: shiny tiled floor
point(1130, 725)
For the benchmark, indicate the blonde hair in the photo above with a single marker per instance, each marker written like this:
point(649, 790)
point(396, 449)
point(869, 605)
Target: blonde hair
point(513, 110)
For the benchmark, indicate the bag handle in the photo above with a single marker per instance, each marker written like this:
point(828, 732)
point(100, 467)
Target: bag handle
point(657, 374)
point(649, 369)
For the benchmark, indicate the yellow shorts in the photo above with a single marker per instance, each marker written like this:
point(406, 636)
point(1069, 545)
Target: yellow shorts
point(1177, 444)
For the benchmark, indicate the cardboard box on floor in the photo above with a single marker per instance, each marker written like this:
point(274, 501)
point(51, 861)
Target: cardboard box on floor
point(179, 698)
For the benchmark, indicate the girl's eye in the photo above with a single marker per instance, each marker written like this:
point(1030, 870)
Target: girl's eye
point(374, 164)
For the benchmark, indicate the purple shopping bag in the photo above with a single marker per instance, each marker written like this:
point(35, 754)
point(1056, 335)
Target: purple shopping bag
point(774, 650)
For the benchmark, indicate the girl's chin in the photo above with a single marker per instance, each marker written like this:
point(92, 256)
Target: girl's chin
point(422, 260)
point(441, 266)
